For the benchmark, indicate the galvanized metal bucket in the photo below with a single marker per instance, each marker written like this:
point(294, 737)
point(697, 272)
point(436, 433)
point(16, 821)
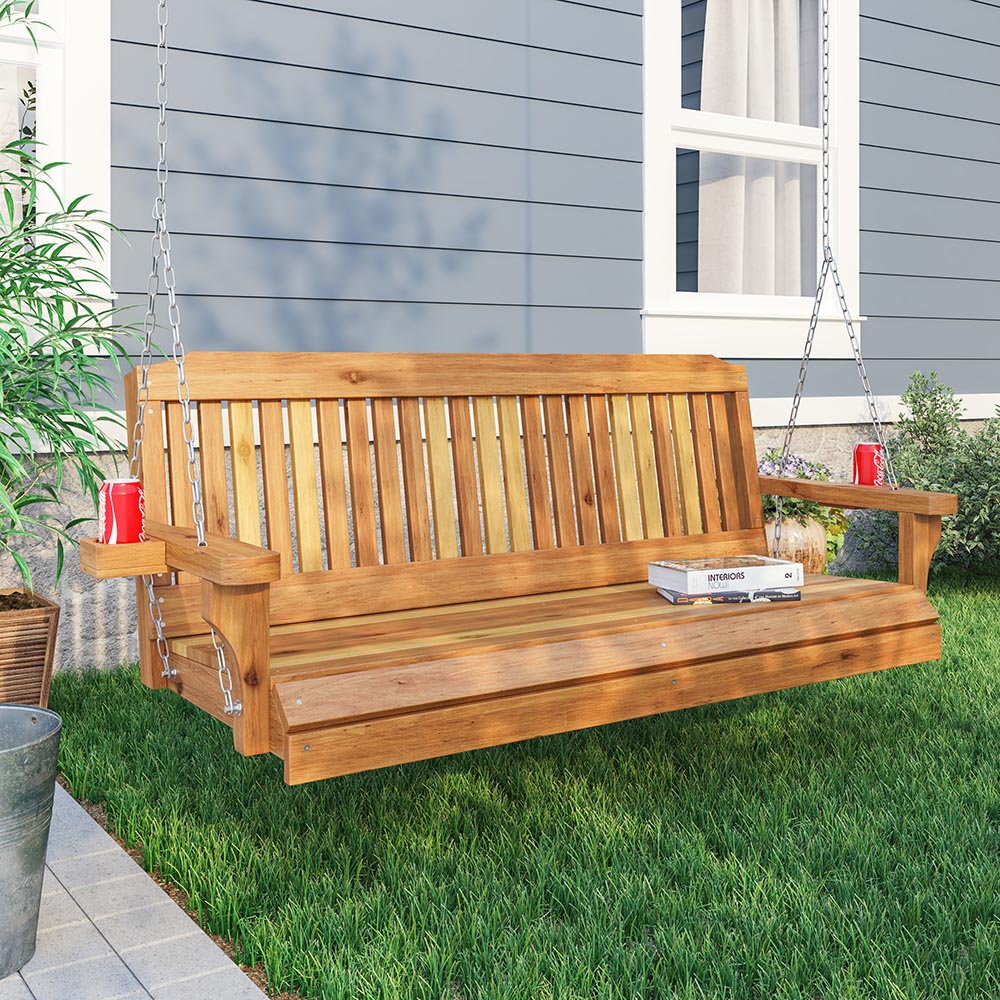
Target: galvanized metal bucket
point(29, 746)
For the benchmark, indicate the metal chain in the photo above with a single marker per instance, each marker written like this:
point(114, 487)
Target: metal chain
point(828, 268)
point(161, 251)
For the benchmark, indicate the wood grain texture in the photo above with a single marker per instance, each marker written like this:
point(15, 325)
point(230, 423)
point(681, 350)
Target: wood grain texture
point(862, 497)
point(274, 473)
point(561, 482)
point(334, 488)
point(604, 468)
point(418, 524)
point(439, 468)
point(666, 466)
point(390, 503)
point(745, 460)
point(687, 473)
point(106, 562)
point(919, 535)
point(537, 470)
point(212, 455)
point(243, 456)
point(628, 496)
point(303, 458)
point(584, 487)
point(490, 479)
point(181, 511)
point(466, 487)
point(704, 460)
point(725, 469)
point(645, 466)
point(222, 560)
point(359, 463)
point(515, 489)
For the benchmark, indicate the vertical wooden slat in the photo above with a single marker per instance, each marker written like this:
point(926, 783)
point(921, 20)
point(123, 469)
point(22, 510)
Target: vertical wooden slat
point(243, 454)
point(621, 439)
point(439, 465)
point(390, 504)
point(645, 466)
point(466, 491)
point(604, 468)
point(331, 465)
point(708, 484)
point(722, 446)
point(152, 468)
point(490, 480)
point(666, 472)
point(562, 486)
point(537, 471)
point(745, 453)
point(414, 480)
point(687, 475)
point(583, 474)
point(303, 453)
point(513, 475)
point(212, 452)
point(359, 463)
point(274, 472)
point(180, 488)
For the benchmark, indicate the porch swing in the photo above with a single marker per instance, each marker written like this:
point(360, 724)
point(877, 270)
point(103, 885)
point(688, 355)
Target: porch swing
point(486, 582)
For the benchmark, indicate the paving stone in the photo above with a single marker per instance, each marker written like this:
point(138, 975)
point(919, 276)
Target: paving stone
point(74, 833)
point(120, 895)
point(229, 984)
point(99, 979)
point(79, 872)
point(58, 910)
point(165, 962)
point(70, 945)
point(13, 988)
point(145, 925)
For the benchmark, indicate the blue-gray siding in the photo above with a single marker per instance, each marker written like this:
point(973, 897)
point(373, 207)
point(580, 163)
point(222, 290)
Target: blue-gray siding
point(370, 174)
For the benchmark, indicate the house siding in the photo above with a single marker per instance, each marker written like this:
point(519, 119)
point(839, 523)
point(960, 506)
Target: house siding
point(370, 175)
point(930, 203)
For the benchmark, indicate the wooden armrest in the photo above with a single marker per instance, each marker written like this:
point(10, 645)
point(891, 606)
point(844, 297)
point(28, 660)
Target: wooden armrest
point(861, 497)
point(223, 560)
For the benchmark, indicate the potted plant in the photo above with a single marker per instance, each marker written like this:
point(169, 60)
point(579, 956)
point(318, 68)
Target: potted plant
point(810, 533)
point(57, 332)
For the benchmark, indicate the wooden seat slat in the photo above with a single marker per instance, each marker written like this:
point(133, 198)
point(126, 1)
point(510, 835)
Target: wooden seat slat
point(359, 464)
point(687, 473)
point(334, 488)
point(243, 455)
point(490, 480)
point(604, 468)
point(666, 468)
point(621, 442)
point(708, 480)
point(557, 445)
point(418, 525)
point(274, 471)
point(439, 470)
point(301, 447)
point(645, 467)
point(390, 503)
point(212, 452)
point(537, 472)
point(518, 521)
point(584, 488)
point(466, 486)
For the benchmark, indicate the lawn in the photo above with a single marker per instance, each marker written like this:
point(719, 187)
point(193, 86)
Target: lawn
point(838, 841)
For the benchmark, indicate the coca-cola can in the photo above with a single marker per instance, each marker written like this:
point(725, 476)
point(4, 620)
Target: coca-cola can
point(121, 512)
point(869, 465)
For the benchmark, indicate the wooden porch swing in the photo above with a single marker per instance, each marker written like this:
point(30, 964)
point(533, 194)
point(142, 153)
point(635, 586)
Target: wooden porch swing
point(461, 561)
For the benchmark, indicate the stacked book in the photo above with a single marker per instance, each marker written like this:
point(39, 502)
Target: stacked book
point(727, 580)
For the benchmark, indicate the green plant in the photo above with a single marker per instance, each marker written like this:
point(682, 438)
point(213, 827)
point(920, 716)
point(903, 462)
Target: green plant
point(58, 328)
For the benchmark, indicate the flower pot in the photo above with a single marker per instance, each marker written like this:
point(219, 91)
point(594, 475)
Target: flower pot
point(29, 748)
point(804, 543)
point(27, 648)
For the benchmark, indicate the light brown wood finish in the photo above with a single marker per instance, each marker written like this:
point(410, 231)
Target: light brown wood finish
point(857, 497)
point(708, 490)
point(359, 463)
point(518, 522)
point(303, 460)
point(745, 459)
point(666, 468)
point(919, 535)
point(645, 466)
point(466, 487)
point(274, 472)
point(109, 561)
point(584, 487)
point(556, 443)
point(621, 440)
point(687, 473)
point(418, 523)
point(181, 511)
point(490, 480)
point(243, 456)
point(722, 450)
point(390, 504)
point(331, 465)
point(604, 468)
point(439, 467)
point(537, 470)
point(212, 453)
point(222, 560)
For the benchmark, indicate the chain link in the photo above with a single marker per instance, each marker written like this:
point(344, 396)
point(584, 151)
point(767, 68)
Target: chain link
point(827, 269)
point(161, 254)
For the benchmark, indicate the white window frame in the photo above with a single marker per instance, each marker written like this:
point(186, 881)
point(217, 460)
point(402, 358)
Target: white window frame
point(730, 325)
point(73, 66)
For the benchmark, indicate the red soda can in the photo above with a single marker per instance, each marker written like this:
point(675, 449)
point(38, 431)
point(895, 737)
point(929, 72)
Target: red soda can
point(121, 512)
point(869, 465)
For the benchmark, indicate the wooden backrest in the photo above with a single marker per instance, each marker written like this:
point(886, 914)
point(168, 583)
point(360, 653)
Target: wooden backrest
point(351, 462)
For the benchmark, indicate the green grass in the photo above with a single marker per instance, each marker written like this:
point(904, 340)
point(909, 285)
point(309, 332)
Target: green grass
point(838, 841)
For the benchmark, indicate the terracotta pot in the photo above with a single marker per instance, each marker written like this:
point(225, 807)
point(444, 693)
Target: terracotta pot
point(27, 649)
point(804, 543)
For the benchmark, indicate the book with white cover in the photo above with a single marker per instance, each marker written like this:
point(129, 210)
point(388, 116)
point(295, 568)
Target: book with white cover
point(703, 576)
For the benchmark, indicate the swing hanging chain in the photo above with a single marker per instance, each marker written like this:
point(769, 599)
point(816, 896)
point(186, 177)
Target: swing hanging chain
point(829, 267)
point(161, 251)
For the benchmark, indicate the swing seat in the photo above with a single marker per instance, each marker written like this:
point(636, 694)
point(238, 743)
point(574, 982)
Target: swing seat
point(457, 549)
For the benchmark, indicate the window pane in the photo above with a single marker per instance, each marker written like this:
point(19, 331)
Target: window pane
point(745, 225)
point(751, 58)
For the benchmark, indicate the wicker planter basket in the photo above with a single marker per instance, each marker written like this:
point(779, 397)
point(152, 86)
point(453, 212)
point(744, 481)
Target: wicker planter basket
point(27, 648)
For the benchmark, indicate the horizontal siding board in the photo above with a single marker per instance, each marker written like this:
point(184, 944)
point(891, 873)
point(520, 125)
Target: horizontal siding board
point(231, 267)
point(945, 298)
point(205, 83)
point(901, 87)
point(274, 151)
point(220, 324)
point(923, 215)
point(400, 52)
point(928, 256)
point(898, 128)
point(277, 210)
point(965, 18)
point(922, 173)
point(971, 340)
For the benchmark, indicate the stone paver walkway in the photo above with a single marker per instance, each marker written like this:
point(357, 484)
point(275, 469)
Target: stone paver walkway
point(107, 931)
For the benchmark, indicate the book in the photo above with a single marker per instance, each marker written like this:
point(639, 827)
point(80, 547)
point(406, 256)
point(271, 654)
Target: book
point(773, 596)
point(741, 573)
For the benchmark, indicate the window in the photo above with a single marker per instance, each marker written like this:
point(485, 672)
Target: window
point(62, 91)
point(732, 167)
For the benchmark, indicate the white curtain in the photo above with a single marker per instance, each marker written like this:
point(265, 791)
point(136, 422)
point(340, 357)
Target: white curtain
point(749, 215)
